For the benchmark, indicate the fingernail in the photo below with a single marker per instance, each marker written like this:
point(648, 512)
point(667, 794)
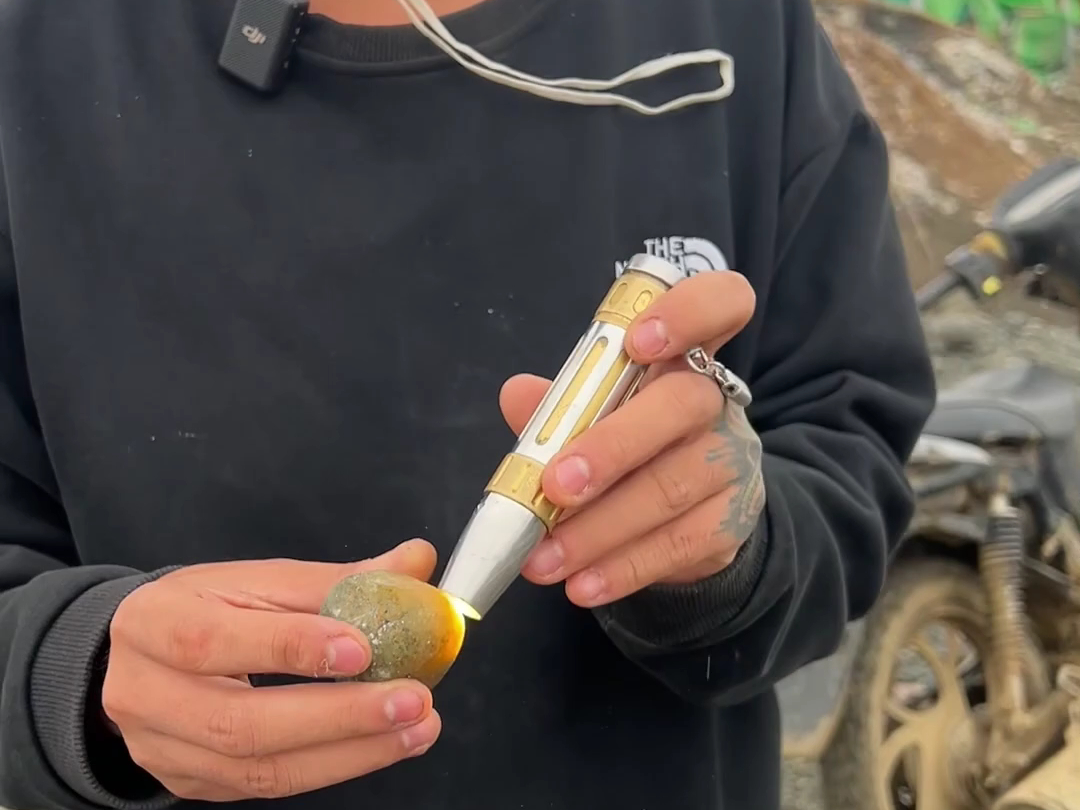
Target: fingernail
point(420, 750)
point(572, 474)
point(651, 337)
point(546, 559)
point(404, 706)
point(589, 586)
point(346, 656)
point(419, 738)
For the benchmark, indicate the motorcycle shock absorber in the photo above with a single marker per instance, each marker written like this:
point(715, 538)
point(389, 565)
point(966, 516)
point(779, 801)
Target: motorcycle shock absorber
point(1068, 680)
point(1001, 560)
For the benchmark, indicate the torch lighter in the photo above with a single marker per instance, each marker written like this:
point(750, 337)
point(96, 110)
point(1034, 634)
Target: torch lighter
point(514, 515)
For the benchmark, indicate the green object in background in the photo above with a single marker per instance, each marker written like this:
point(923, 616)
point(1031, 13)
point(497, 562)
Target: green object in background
point(952, 12)
point(1039, 41)
point(1072, 12)
point(1039, 33)
point(1029, 5)
point(989, 19)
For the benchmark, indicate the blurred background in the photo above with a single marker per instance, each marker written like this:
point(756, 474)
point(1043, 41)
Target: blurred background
point(972, 95)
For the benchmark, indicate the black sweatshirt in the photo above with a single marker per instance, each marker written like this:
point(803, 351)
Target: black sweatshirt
point(234, 327)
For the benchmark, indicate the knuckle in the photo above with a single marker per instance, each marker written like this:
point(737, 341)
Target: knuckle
point(114, 697)
point(124, 624)
point(739, 293)
point(716, 475)
point(619, 451)
point(695, 398)
point(190, 644)
point(231, 731)
point(679, 549)
point(144, 756)
point(355, 717)
point(636, 571)
point(607, 447)
point(270, 778)
point(674, 493)
point(290, 651)
point(189, 789)
point(159, 762)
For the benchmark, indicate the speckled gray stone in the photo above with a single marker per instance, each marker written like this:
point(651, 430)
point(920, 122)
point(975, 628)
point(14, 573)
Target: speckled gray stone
point(412, 626)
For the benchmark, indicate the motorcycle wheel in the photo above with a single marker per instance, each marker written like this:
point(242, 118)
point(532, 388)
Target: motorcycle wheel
point(903, 743)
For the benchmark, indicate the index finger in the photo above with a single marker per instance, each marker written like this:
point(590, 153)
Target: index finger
point(673, 407)
point(301, 586)
point(704, 310)
point(186, 630)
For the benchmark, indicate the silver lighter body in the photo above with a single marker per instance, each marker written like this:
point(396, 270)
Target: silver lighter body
point(513, 515)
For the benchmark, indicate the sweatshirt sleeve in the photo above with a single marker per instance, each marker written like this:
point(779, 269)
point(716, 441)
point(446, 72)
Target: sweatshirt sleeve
point(843, 385)
point(54, 614)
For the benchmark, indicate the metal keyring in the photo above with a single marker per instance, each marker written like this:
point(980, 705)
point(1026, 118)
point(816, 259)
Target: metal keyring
point(731, 385)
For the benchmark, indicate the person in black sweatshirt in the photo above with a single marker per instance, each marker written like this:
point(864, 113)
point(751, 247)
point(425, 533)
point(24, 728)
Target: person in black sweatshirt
point(247, 341)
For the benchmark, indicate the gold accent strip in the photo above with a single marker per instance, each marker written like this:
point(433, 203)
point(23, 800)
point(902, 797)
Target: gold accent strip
point(628, 297)
point(603, 392)
point(596, 351)
point(519, 479)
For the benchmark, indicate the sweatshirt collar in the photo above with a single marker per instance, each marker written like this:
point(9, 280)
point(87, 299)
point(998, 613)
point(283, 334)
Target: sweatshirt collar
point(486, 26)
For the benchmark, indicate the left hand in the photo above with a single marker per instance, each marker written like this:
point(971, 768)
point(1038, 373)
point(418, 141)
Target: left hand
point(668, 487)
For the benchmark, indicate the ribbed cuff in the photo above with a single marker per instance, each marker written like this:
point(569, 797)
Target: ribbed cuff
point(677, 616)
point(65, 693)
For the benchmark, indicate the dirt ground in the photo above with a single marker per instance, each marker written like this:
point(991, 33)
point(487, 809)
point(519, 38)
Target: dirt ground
point(961, 118)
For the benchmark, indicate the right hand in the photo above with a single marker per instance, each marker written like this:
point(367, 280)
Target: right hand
point(177, 690)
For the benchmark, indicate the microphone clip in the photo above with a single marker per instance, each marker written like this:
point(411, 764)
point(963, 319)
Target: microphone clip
point(260, 41)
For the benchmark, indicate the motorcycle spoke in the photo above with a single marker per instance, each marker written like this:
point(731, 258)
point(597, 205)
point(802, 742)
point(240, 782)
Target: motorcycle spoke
point(915, 752)
point(894, 750)
point(950, 690)
point(955, 652)
point(931, 791)
point(900, 713)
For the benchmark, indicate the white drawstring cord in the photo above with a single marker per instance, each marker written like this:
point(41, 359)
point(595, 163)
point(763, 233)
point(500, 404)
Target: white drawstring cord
point(591, 92)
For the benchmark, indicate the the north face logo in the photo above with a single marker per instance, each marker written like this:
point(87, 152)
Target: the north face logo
point(691, 254)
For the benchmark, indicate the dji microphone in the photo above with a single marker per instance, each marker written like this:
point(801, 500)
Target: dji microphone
point(260, 41)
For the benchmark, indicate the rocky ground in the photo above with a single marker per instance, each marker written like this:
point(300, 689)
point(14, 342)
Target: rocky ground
point(963, 121)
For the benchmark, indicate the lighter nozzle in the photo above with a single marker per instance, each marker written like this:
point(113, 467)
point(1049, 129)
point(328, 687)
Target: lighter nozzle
point(490, 553)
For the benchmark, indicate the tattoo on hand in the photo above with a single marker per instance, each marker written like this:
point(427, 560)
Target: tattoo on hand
point(740, 453)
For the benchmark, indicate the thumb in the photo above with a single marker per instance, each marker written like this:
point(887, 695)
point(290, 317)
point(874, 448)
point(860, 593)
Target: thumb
point(415, 558)
point(519, 398)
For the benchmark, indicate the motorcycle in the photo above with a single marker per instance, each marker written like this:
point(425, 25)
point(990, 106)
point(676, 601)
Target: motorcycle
point(960, 689)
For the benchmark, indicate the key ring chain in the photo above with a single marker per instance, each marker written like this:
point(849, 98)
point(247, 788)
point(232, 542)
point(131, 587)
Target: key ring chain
point(731, 385)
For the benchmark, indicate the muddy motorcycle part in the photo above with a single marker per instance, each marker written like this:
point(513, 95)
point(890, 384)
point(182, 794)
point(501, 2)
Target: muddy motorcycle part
point(1001, 562)
point(887, 755)
point(1054, 785)
point(1024, 721)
